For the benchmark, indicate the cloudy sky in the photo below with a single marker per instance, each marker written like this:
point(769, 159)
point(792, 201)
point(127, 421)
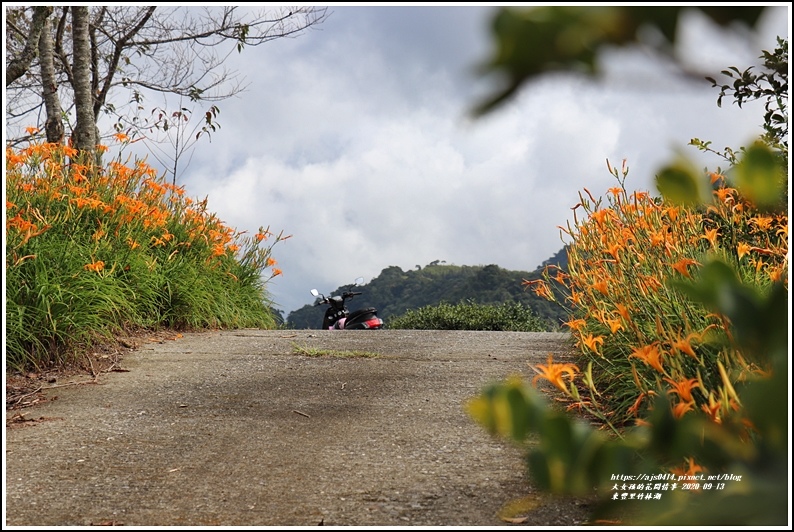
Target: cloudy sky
point(354, 138)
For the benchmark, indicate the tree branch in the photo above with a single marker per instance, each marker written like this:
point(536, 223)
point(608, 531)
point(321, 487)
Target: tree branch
point(121, 44)
point(59, 32)
point(19, 65)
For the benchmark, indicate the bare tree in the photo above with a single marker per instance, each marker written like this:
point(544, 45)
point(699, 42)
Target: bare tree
point(49, 85)
point(141, 49)
point(84, 137)
point(171, 135)
point(20, 64)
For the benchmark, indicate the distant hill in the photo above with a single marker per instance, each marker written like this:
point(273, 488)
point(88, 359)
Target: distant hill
point(560, 259)
point(395, 291)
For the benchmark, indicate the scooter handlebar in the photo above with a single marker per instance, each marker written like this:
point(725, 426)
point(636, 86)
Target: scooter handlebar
point(327, 300)
point(348, 295)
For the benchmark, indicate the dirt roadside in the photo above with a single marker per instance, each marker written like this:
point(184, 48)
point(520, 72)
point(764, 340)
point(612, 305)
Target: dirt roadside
point(236, 428)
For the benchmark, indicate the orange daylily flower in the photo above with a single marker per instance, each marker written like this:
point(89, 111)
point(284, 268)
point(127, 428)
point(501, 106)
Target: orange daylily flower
point(742, 249)
point(576, 298)
point(634, 409)
point(783, 231)
point(684, 345)
point(601, 286)
point(761, 222)
point(680, 409)
point(14, 158)
point(623, 311)
point(554, 373)
point(614, 324)
point(21, 224)
point(711, 235)
point(713, 409)
point(672, 213)
point(683, 388)
point(650, 282)
point(592, 342)
point(714, 177)
point(276, 272)
point(682, 266)
point(575, 324)
point(659, 237)
point(561, 277)
point(725, 195)
point(601, 216)
point(614, 249)
point(651, 355)
point(540, 288)
point(97, 266)
point(692, 469)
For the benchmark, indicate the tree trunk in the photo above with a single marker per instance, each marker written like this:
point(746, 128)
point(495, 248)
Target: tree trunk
point(19, 65)
point(52, 103)
point(84, 131)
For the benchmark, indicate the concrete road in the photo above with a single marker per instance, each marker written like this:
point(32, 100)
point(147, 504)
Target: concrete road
point(237, 428)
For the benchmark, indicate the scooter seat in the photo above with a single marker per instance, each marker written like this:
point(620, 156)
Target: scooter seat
point(357, 313)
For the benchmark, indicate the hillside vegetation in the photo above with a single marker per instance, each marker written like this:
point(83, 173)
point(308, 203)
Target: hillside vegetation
point(396, 291)
point(93, 250)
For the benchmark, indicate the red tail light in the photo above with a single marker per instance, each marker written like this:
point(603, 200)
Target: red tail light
point(373, 323)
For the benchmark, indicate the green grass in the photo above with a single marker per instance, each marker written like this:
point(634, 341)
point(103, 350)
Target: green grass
point(467, 316)
point(92, 251)
point(319, 352)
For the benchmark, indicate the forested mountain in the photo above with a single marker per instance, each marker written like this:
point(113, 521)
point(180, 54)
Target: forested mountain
point(395, 291)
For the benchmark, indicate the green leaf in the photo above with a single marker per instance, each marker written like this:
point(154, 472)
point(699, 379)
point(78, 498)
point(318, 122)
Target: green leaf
point(760, 176)
point(519, 414)
point(681, 184)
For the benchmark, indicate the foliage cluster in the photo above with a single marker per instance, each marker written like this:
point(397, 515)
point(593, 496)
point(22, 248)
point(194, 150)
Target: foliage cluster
point(770, 85)
point(469, 316)
point(91, 250)
point(681, 304)
point(710, 382)
point(629, 320)
point(395, 291)
point(531, 41)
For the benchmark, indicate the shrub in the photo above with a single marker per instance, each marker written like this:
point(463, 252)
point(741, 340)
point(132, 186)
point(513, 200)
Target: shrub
point(636, 329)
point(724, 463)
point(91, 250)
point(508, 316)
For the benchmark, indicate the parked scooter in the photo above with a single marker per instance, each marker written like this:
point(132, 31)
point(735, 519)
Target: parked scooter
point(337, 316)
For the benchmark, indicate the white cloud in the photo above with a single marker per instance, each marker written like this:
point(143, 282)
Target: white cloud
point(354, 139)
